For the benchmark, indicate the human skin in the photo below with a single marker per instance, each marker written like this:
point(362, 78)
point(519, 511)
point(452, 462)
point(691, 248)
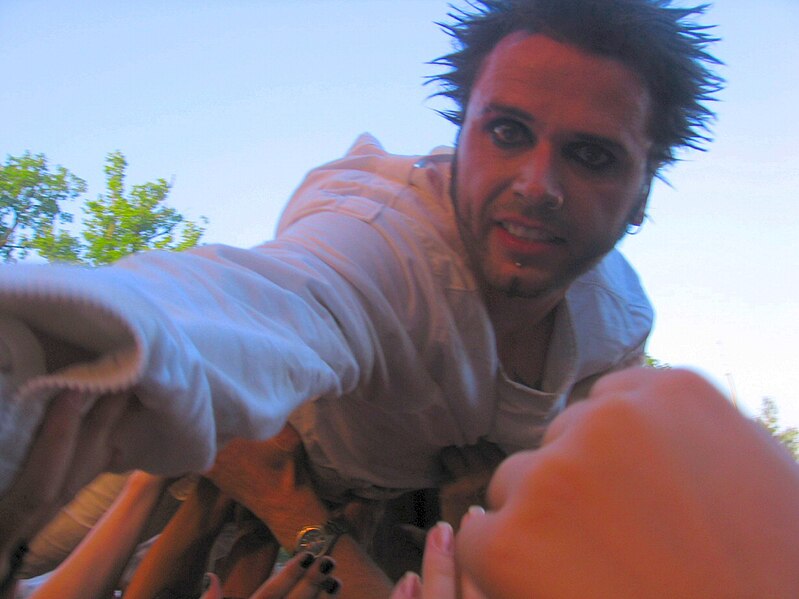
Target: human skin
point(297, 579)
point(272, 480)
point(94, 567)
point(72, 446)
point(655, 486)
point(548, 120)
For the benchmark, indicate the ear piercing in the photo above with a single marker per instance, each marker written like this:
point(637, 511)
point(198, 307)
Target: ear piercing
point(555, 203)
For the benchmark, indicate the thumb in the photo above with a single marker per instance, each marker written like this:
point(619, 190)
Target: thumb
point(213, 587)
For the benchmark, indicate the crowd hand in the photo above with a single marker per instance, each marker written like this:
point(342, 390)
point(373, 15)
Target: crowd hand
point(655, 485)
point(69, 449)
point(179, 556)
point(467, 471)
point(301, 577)
point(441, 578)
point(250, 559)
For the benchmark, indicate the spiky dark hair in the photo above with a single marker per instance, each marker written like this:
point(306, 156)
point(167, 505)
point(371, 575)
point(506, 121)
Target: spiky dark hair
point(656, 41)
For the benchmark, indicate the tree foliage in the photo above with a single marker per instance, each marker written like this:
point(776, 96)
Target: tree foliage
point(32, 196)
point(769, 417)
point(116, 224)
point(654, 362)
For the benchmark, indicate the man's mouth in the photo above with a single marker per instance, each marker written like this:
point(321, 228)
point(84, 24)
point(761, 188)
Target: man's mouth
point(529, 233)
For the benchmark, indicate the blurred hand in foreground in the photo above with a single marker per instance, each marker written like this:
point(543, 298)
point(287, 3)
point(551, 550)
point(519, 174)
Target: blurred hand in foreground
point(654, 486)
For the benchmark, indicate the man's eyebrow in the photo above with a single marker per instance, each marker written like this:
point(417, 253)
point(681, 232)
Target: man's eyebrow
point(601, 140)
point(508, 110)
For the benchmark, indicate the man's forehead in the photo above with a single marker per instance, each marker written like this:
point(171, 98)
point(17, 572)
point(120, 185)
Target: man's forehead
point(533, 72)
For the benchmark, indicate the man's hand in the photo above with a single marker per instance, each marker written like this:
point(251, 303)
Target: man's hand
point(269, 478)
point(654, 486)
point(467, 471)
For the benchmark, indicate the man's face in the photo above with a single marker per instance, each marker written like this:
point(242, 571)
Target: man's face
point(546, 121)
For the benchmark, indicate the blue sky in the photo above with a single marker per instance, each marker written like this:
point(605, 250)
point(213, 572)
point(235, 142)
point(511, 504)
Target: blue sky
point(236, 100)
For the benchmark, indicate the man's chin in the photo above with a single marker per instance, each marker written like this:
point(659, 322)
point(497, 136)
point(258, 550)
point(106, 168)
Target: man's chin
point(522, 285)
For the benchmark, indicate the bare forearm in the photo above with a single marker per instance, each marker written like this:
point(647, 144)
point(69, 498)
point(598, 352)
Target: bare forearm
point(177, 560)
point(95, 566)
point(360, 576)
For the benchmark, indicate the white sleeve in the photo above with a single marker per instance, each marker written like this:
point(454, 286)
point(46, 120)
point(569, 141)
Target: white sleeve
point(218, 342)
point(215, 343)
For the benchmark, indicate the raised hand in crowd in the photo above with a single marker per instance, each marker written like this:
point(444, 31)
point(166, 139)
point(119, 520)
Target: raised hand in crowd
point(301, 577)
point(655, 485)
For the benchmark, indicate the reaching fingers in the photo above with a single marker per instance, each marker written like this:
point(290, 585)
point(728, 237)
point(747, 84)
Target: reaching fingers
point(438, 567)
point(468, 588)
point(439, 573)
point(302, 577)
point(408, 587)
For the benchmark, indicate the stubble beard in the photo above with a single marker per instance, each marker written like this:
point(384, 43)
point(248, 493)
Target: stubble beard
point(514, 287)
point(475, 251)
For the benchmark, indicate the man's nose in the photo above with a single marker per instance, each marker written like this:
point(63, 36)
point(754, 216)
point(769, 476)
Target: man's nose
point(537, 179)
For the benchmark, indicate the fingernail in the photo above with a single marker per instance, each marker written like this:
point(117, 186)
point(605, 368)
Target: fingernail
point(327, 565)
point(409, 585)
point(442, 537)
point(307, 560)
point(330, 586)
point(473, 511)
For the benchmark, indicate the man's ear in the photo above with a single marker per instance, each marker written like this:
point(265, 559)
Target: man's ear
point(637, 216)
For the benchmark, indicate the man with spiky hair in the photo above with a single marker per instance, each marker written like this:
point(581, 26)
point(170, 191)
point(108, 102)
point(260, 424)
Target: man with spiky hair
point(407, 304)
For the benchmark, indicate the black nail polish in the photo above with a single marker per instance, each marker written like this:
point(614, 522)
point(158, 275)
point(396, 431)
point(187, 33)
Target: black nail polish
point(326, 566)
point(330, 586)
point(307, 560)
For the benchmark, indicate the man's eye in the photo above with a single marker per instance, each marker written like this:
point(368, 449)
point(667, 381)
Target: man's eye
point(506, 133)
point(592, 156)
